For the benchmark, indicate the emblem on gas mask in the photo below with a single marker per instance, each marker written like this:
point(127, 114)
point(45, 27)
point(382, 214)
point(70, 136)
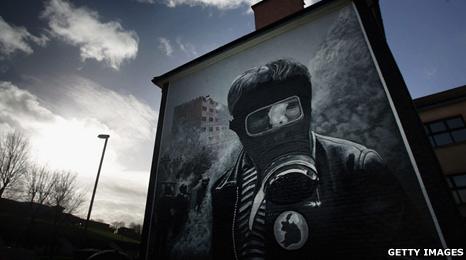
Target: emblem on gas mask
point(291, 230)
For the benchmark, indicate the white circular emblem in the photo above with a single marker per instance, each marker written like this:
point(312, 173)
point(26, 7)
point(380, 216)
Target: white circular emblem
point(291, 230)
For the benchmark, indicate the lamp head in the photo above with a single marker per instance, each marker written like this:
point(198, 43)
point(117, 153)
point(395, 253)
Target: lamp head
point(103, 136)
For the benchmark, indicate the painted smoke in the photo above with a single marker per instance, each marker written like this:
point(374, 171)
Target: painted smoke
point(188, 167)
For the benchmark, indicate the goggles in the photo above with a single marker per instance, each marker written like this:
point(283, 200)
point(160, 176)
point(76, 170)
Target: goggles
point(274, 116)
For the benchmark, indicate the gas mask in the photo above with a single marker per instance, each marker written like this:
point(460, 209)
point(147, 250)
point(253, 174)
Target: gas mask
point(278, 140)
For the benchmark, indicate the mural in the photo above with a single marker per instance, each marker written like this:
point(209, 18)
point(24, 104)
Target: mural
point(287, 149)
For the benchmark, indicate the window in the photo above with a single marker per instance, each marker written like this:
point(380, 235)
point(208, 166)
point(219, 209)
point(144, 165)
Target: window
point(217, 128)
point(204, 118)
point(216, 119)
point(446, 131)
point(204, 108)
point(457, 184)
point(211, 129)
point(211, 109)
point(203, 129)
point(211, 119)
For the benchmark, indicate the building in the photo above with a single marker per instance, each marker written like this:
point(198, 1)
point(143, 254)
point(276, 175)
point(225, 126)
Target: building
point(128, 232)
point(291, 37)
point(97, 225)
point(443, 115)
point(205, 115)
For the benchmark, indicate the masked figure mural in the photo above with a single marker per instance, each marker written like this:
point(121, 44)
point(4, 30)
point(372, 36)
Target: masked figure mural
point(293, 193)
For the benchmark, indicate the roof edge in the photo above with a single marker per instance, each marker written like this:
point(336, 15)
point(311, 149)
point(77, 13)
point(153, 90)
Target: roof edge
point(258, 3)
point(458, 93)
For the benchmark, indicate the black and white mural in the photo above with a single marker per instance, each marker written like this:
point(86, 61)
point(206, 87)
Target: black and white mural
point(288, 149)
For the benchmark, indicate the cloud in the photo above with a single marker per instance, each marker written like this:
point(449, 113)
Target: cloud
point(146, 1)
point(64, 136)
point(17, 39)
point(220, 4)
point(83, 28)
point(132, 122)
point(186, 47)
point(165, 46)
point(430, 72)
point(18, 103)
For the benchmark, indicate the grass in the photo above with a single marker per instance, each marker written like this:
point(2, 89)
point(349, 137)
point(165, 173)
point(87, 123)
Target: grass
point(112, 236)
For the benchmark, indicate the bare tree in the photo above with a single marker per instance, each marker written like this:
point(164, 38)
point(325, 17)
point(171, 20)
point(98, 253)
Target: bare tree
point(65, 193)
point(75, 203)
point(136, 227)
point(118, 224)
point(39, 184)
point(66, 198)
point(14, 148)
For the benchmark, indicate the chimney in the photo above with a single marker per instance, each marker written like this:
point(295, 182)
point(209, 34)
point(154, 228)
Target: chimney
point(269, 11)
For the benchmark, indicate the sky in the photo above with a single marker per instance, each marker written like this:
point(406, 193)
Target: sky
point(70, 70)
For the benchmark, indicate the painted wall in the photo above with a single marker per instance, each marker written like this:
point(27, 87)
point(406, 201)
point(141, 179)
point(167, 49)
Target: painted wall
point(349, 109)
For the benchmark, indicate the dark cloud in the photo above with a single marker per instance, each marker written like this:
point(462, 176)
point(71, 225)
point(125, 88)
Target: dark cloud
point(19, 107)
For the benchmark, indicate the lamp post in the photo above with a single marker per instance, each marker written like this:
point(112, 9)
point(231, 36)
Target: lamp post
point(96, 179)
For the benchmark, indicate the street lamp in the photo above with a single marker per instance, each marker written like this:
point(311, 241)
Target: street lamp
point(96, 179)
